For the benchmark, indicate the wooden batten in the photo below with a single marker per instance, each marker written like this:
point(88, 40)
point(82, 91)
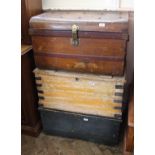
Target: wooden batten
point(81, 93)
point(119, 81)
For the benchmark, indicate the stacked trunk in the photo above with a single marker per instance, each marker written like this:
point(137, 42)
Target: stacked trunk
point(80, 57)
point(82, 93)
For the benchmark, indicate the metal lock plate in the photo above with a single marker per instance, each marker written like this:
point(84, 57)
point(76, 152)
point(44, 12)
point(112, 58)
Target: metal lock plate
point(75, 40)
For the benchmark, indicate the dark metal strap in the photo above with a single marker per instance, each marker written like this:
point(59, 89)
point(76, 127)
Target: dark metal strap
point(118, 108)
point(81, 34)
point(84, 57)
point(38, 78)
point(41, 97)
point(118, 94)
point(40, 105)
point(118, 116)
point(38, 85)
point(119, 86)
point(40, 91)
point(118, 101)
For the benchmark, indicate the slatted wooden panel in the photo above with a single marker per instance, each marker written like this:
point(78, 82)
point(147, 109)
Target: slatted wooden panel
point(83, 93)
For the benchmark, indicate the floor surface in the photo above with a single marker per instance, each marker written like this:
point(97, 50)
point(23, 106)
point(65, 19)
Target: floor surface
point(53, 145)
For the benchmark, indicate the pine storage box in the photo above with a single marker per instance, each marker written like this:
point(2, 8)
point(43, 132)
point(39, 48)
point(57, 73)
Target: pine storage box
point(81, 93)
point(80, 41)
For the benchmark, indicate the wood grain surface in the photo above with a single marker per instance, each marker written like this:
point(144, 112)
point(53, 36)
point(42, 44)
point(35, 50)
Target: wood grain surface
point(76, 65)
point(83, 93)
point(87, 46)
point(103, 56)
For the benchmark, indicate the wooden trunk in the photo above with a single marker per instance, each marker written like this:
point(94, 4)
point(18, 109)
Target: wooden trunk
point(83, 41)
point(75, 125)
point(82, 93)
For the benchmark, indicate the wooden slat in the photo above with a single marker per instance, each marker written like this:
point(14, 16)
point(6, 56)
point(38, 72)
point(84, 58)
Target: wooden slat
point(73, 94)
point(79, 75)
point(87, 101)
point(83, 109)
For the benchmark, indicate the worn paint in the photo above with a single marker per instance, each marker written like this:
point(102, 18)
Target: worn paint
point(80, 65)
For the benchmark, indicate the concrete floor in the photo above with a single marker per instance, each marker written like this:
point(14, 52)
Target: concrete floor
point(53, 145)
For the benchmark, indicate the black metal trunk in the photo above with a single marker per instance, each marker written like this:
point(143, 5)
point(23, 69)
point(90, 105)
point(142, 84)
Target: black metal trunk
point(88, 127)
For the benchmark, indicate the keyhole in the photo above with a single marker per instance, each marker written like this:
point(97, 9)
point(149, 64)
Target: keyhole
point(77, 79)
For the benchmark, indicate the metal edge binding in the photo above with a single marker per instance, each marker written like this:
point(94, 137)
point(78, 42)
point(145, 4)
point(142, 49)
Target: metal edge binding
point(118, 94)
point(119, 86)
point(41, 97)
point(81, 34)
point(38, 78)
point(40, 91)
point(118, 116)
point(118, 108)
point(118, 101)
point(38, 85)
point(40, 105)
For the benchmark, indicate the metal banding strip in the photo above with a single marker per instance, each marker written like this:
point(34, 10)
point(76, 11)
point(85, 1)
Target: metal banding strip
point(118, 94)
point(118, 108)
point(83, 57)
point(40, 91)
point(119, 86)
point(118, 116)
point(81, 34)
point(119, 90)
point(38, 78)
point(41, 97)
point(38, 85)
point(41, 105)
point(118, 101)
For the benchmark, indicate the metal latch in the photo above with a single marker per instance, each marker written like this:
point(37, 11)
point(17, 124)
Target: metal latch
point(75, 40)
